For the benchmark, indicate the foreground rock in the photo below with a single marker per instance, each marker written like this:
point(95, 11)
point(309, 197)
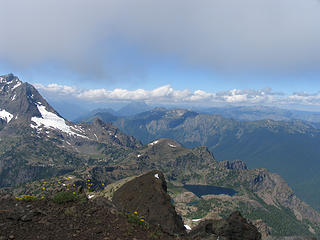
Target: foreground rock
point(89, 220)
point(148, 196)
point(235, 227)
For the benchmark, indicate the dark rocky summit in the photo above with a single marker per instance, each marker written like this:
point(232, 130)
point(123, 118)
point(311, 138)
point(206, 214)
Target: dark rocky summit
point(148, 196)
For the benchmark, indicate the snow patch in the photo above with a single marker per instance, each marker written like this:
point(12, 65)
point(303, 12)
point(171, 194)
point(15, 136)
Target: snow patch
point(51, 120)
point(90, 196)
point(196, 220)
point(17, 85)
point(96, 136)
point(139, 155)
point(14, 97)
point(156, 175)
point(187, 227)
point(6, 115)
point(77, 128)
point(173, 146)
point(153, 143)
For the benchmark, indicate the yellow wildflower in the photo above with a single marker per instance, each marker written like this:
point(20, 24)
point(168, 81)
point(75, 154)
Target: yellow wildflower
point(135, 212)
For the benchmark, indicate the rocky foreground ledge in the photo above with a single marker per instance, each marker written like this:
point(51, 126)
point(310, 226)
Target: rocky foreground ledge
point(140, 209)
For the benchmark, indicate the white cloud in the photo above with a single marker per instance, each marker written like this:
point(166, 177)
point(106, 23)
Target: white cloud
point(167, 95)
point(305, 98)
point(60, 89)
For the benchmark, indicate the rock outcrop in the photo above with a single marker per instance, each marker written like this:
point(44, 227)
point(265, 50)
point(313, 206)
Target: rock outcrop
point(234, 165)
point(148, 196)
point(235, 227)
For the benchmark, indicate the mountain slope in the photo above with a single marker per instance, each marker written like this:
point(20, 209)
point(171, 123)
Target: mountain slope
point(274, 145)
point(37, 142)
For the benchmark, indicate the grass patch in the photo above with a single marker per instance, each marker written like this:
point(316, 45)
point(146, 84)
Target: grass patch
point(65, 196)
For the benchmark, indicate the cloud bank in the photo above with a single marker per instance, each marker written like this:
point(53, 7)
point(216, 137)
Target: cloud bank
point(221, 35)
point(167, 95)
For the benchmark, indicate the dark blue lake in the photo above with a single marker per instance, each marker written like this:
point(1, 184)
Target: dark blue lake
point(200, 190)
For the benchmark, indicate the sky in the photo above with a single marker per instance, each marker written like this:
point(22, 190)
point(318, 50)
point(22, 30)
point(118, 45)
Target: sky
point(206, 53)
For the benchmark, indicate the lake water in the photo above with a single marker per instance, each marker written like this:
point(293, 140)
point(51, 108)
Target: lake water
point(200, 190)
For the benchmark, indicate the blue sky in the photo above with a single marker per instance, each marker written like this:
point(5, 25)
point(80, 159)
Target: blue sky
point(262, 52)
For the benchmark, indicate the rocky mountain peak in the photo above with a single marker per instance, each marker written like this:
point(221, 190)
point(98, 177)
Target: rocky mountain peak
point(21, 103)
point(98, 122)
point(8, 78)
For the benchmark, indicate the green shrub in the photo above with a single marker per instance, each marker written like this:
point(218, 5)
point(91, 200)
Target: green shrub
point(64, 197)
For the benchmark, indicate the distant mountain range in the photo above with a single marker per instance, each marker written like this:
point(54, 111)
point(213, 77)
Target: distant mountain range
point(254, 113)
point(290, 148)
point(130, 109)
point(41, 152)
point(241, 113)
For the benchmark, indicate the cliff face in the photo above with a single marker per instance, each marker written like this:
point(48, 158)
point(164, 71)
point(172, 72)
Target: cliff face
point(275, 191)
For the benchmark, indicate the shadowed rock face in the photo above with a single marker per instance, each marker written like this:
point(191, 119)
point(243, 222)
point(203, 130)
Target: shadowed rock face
point(148, 196)
point(235, 227)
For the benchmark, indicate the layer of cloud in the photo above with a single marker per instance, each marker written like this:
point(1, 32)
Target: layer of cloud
point(224, 35)
point(167, 95)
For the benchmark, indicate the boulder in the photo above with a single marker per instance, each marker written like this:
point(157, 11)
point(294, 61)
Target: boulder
point(147, 195)
point(235, 227)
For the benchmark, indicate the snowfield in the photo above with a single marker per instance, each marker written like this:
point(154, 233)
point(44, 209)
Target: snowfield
point(51, 120)
point(5, 115)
